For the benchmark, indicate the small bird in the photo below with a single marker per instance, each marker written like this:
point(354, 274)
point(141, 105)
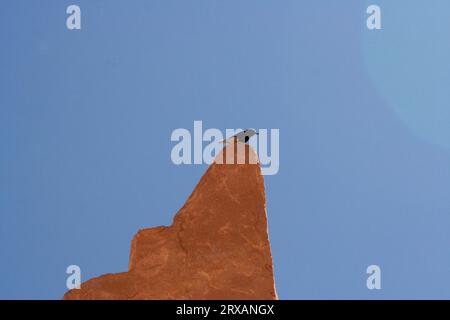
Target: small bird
point(243, 136)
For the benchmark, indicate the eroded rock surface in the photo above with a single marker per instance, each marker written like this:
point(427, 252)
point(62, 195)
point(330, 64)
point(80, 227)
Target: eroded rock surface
point(217, 247)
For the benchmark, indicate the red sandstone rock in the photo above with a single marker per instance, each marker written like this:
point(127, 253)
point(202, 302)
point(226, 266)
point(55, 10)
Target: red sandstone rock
point(216, 248)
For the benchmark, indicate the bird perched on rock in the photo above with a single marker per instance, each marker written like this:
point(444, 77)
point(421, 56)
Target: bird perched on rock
point(243, 136)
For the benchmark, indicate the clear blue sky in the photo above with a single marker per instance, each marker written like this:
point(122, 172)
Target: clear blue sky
point(86, 118)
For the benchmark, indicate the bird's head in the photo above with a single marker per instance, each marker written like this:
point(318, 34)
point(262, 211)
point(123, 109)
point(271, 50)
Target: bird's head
point(250, 132)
